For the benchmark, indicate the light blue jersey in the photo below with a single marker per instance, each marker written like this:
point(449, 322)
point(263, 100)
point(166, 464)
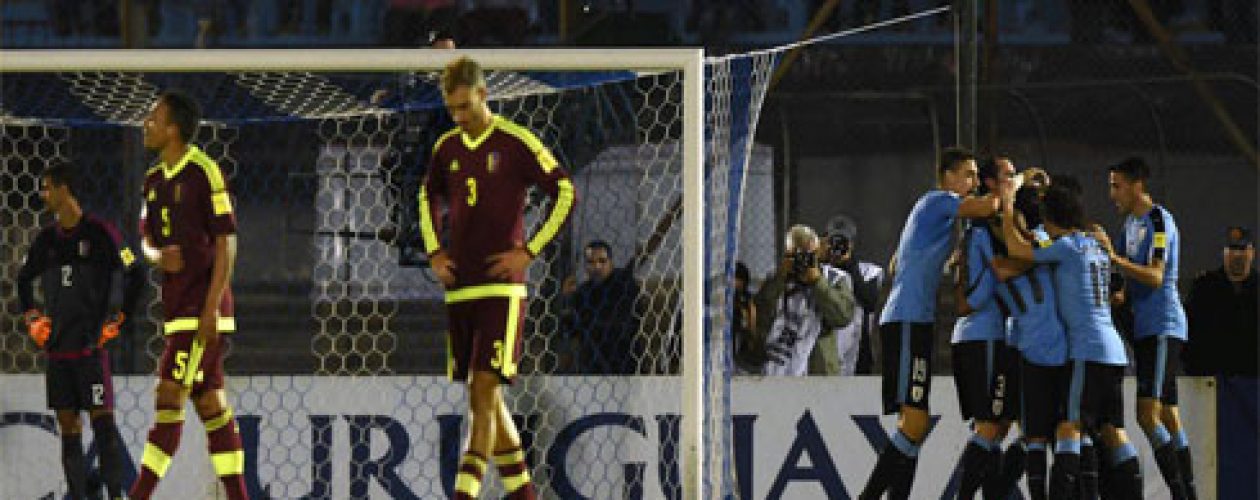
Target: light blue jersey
point(1151, 237)
point(985, 321)
point(921, 254)
point(1035, 328)
point(1081, 274)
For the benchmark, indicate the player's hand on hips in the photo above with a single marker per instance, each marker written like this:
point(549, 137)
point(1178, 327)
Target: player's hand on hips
point(171, 259)
point(507, 264)
point(208, 327)
point(443, 268)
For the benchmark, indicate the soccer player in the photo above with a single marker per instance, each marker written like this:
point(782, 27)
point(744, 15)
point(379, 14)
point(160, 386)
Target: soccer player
point(190, 234)
point(984, 366)
point(906, 323)
point(1150, 243)
point(480, 173)
point(86, 274)
point(1093, 402)
point(1035, 330)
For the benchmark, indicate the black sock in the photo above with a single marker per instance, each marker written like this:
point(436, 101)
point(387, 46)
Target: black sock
point(1128, 479)
point(975, 467)
point(878, 482)
point(1170, 467)
point(109, 447)
point(888, 469)
point(1187, 472)
point(903, 479)
point(1089, 471)
point(1009, 468)
point(1036, 465)
point(72, 464)
point(1064, 474)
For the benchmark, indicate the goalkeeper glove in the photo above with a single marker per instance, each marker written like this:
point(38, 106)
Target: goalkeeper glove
point(111, 328)
point(38, 326)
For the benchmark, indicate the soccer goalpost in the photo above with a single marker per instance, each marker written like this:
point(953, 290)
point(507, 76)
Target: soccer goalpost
point(319, 149)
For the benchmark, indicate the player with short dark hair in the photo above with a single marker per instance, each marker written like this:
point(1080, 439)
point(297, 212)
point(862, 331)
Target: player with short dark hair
point(1151, 245)
point(1093, 404)
point(907, 321)
point(985, 371)
point(480, 173)
point(90, 283)
point(189, 231)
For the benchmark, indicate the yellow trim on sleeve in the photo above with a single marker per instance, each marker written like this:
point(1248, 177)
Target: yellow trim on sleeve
point(427, 231)
point(559, 213)
point(1160, 240)
point(221, 203)
point(546, 161)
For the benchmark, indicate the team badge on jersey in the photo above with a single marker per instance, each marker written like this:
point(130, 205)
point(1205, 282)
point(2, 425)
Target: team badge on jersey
point(454, 165)
point(175, 192)
point(492, 161)
point(1135, 239)
point(84, 248)
point(151, 195)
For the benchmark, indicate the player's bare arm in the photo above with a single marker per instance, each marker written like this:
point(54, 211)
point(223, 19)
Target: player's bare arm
point(1018, 247)
point(168, 258)
point(978, 207)
point(1150, 275)
point(220, 276)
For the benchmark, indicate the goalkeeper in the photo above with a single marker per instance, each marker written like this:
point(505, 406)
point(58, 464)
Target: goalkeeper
point(86, 274)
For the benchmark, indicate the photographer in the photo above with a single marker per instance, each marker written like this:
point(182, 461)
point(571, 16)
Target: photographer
point(853, 340)
point(808, 301)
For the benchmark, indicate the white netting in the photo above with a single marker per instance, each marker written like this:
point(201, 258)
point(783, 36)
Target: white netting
point(337, 368)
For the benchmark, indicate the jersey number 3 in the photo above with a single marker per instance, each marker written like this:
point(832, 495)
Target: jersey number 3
point(472, 191)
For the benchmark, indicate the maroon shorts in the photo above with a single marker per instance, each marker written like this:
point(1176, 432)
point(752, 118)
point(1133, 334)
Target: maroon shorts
point(177, 360)
point(485, 335)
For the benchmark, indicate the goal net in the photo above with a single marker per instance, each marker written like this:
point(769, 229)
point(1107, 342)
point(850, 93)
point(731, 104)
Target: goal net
point(337, 369)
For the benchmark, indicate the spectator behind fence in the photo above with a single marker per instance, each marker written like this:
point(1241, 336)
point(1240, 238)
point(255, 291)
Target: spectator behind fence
point(802, 304)
point(749, 354)
point(602, 316)
point(853, 340)
point(1222, 311)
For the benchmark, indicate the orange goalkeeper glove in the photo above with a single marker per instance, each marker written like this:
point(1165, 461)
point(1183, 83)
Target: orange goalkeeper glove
point(38, 326)
point(111, 328)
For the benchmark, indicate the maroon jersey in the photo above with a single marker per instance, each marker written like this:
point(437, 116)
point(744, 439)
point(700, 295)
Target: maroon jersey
point(188, 205)
point(483, 182)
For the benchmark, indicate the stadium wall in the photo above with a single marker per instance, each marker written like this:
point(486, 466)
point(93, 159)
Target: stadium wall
point(796, 438)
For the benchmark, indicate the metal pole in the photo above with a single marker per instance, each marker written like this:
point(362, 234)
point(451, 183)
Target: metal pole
point(966, 20)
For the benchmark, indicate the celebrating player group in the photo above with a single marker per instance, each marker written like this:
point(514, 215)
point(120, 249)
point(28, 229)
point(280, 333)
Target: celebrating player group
point(1035, 343)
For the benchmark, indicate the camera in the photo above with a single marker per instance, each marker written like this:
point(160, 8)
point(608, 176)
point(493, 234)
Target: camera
point(837, 246)
point(802, 262)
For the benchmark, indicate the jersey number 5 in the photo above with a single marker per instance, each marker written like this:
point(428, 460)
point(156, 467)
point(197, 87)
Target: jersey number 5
point(166, 221)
